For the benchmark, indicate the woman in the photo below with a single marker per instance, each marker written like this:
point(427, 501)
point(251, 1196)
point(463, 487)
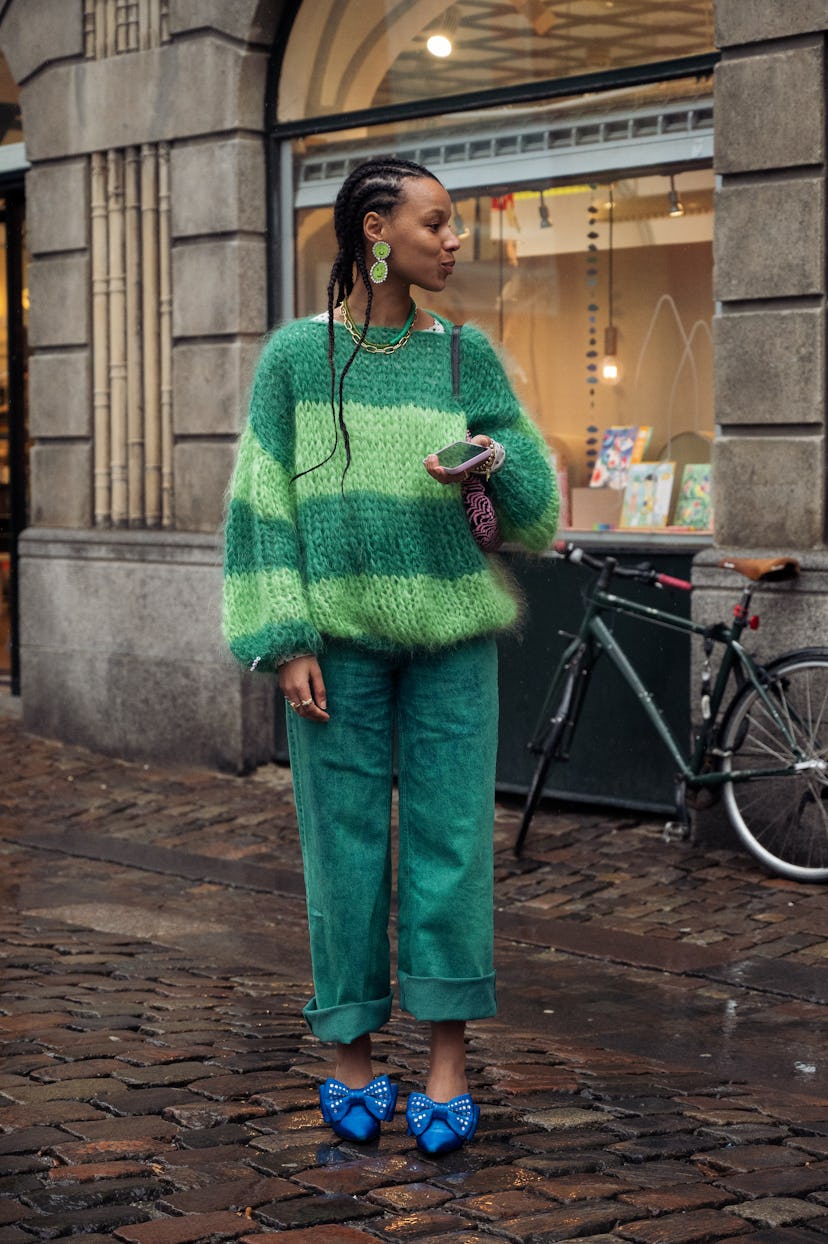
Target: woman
point(351, 570)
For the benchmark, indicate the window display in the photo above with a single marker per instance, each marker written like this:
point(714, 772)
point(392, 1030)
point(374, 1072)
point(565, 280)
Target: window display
point(560, 272)
point(589, 217)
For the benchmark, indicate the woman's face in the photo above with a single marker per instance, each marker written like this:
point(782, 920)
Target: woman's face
point(423, 243)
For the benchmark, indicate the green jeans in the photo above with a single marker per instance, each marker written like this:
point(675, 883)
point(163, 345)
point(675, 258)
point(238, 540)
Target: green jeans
point(443, 708)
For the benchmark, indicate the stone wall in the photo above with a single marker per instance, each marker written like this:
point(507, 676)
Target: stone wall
point(144, 126)
point(769, 331)
point(770, 274)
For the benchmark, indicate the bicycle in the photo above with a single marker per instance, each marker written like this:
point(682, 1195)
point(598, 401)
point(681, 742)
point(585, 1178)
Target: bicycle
point(766, 752)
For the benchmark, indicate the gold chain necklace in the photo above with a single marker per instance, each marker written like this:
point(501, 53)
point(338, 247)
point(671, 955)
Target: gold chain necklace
point(348, 321)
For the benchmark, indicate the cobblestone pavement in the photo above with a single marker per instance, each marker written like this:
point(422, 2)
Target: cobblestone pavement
point(656, 1074)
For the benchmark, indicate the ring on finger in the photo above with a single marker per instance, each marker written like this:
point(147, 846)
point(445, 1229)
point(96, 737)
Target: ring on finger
point(305, 703)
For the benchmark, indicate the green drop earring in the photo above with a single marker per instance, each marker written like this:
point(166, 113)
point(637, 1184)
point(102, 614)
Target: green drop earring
point(379, 269)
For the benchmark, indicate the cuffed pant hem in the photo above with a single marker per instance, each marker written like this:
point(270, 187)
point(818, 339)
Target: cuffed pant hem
point(347, 1022)
point(435, 999)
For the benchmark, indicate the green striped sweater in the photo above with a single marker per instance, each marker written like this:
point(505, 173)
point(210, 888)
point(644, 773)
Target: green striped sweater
point(388, 561)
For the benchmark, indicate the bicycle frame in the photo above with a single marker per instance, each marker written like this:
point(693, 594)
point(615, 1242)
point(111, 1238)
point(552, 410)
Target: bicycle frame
point(594, 637)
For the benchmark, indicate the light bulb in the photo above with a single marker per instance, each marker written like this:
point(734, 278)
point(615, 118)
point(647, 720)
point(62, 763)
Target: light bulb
point(610, 370)
point(439, 45)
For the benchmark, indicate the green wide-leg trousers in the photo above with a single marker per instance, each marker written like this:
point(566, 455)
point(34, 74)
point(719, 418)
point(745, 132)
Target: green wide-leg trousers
point(443, 708)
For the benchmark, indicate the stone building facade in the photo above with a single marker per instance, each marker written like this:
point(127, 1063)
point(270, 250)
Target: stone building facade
point(154, 245)
point(769, 331)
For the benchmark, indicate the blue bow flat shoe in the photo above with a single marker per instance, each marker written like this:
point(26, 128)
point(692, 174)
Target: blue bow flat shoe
point(439, 1126)
point(356, 1114)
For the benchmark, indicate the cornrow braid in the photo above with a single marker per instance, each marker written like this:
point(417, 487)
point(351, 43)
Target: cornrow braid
point(374, 186)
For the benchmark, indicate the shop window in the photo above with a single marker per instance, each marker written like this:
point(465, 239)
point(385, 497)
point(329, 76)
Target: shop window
point(586, 221)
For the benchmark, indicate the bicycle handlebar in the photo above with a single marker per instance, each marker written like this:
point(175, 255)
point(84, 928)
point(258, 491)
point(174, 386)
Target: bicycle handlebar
point(667, 580)
point(642, 574)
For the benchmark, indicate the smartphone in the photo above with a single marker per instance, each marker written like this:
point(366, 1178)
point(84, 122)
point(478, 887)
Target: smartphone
point(459, 456)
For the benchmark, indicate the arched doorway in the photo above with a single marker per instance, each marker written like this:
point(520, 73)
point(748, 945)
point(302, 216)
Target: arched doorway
point(13, 373)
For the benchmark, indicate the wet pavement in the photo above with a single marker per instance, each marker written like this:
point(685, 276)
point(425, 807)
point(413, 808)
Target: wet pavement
point(656, 1073)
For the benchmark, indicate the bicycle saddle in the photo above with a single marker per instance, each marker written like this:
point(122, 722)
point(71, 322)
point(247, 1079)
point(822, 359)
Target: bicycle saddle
point(764, 569)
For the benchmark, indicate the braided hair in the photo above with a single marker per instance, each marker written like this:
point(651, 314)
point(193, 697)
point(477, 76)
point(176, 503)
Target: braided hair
point(374, 186)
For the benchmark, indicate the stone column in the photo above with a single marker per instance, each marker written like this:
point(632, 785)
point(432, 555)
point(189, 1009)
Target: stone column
point(769, 329)
point(770, 276)
point(219, 277)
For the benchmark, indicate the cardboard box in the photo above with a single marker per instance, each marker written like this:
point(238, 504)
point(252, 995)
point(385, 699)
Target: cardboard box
point(596, 507)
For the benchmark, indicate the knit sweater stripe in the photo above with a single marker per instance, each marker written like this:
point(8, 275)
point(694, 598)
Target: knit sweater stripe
point(259, 541)
point(372, 531)
point(412, 611)
point(260, 480)
point(264, 594)
point(387, 536)
point(261, 649)
point(400, 443)
point(388, 444)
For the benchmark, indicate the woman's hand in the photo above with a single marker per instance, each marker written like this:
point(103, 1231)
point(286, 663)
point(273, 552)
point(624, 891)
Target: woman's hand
point(302, 685)
point(441, 475)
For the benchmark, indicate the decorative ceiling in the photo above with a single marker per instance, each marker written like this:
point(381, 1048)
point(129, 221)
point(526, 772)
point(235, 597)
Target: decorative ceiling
point(498, 42)
point(352, 54)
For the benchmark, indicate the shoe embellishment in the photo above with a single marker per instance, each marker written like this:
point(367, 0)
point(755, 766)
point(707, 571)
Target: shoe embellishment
point(441, 1126)
point(356, 1114)
point(378, 1098)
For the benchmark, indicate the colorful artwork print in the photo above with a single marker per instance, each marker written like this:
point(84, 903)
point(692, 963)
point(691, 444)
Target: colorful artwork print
point(620, 448)
point(647, 495)
point(694, 507)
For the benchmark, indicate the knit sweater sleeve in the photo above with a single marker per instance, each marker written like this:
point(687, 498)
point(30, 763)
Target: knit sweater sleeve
point(265, 610)
point(525, 489)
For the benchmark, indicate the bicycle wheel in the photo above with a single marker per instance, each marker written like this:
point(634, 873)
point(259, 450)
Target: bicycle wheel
point(782, 819)
point(558, 722)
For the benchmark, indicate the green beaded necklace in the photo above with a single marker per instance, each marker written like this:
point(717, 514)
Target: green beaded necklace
point(391, 346)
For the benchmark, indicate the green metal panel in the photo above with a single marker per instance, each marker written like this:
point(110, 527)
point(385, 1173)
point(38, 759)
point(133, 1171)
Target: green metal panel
point(616, 757)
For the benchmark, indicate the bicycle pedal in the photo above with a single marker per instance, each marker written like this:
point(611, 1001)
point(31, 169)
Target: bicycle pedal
point(676, 831)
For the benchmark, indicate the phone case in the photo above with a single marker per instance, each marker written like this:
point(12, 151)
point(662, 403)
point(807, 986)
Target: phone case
point(485, 450)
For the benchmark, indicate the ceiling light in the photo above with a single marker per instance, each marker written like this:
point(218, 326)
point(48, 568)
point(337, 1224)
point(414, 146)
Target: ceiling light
point(440, 45)
point(676, 205)
point(609, 371)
